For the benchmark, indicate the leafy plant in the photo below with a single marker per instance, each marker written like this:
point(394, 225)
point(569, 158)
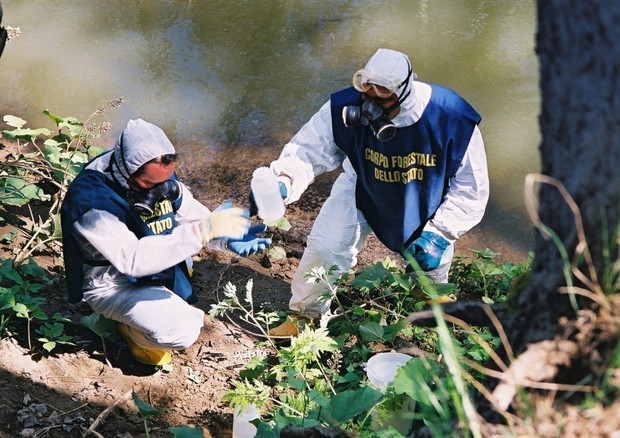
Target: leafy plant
point(52, 335)
point(146, 411)
point(36, 176)
point(320, 379)
point(17, 298)
point(245, 307)
point(42, 172)
point(482, 278)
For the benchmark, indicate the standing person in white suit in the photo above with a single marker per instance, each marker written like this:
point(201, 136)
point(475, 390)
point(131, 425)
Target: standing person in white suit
point(415, 174)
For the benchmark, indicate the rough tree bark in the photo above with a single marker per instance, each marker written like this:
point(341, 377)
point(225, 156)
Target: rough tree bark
point(578, 44)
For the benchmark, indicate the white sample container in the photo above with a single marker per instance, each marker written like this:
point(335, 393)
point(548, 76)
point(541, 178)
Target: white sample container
point(242, 428)
point(381, 370)
point(382, 367)
point(266, 191)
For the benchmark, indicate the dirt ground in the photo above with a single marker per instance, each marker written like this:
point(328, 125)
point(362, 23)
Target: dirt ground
point(63, 394)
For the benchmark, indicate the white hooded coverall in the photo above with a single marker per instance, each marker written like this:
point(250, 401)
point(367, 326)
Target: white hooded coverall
point(340, 229)
point(157, 318)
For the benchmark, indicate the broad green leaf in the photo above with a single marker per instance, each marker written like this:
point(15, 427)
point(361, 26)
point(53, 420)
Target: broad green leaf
point(418, 378)
point(277, 253)
point(56, 119)
point(102, 326)
point(94, 151)
point(282, 223)
point(318, 398)
point(14, 121)
point(371, 332)
point(404, 281)
point(371, 277)
point(21, 310)
point(73, 125)
point(390, 331)
point(33, 270)
point(347, 404)
point(8, 271)
point(49, 346)
point(25, 134)
point(20, 192)
point(265, 430)
point(7, 298)
point(60, 141)
point(145, 409)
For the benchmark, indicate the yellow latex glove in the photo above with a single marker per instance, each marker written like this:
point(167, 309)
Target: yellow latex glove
point(225, 222)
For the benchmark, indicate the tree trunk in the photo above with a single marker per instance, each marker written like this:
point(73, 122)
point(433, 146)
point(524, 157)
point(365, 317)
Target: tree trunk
point(578, 44)
point(564, 339)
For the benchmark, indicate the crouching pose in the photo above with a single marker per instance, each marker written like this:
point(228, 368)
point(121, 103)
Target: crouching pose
point(130, 229)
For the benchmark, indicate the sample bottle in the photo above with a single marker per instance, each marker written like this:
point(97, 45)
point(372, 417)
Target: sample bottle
point(266, 190)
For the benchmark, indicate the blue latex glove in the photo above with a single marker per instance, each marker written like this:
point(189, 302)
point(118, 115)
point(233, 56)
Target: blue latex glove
point(250, 244)
point(254, 208)
point(428, 249)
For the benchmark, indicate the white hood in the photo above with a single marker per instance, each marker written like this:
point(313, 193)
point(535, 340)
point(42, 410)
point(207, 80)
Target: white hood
point(390, 64)
point(139, 143)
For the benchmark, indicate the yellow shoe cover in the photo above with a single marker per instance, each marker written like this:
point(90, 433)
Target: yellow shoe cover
point(289, 327)
point(143, 355)
point(442, 299)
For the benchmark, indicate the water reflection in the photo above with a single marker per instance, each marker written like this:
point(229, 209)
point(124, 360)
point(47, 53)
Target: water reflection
point(234, 73)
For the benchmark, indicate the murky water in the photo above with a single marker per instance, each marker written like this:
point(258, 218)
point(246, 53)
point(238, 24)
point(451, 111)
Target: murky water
point(223, 74)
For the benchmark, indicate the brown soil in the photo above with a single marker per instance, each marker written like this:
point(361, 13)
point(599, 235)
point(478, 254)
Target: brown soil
point(62, 394)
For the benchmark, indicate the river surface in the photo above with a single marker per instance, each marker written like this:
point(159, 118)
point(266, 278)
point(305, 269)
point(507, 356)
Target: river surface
point(224, 74)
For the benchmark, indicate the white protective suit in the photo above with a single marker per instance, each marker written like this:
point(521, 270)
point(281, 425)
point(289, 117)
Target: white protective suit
point(340, 229)
point(156, 317)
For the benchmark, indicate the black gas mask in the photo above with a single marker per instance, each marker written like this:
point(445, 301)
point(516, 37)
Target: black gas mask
point(144, 201)
point(373, 115)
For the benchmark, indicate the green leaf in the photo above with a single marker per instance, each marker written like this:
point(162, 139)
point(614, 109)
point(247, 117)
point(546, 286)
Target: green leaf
point(347, 404)
point(49, 346)
point(277, 253)
point(25, 133)
point(371, 277)
point(14, 121)
point(59, 141)
point(8, 271)
point(56, 119)
point(10, 235)
point(33, 270)
point(145, 409)
point(20, 192)
point(282, 224)
point(186, 432)
point(485, 253)
point(371, 332)
point(390, 331)
point(102, 326)
point(73, 125)
point(94, 151)
point(266, 430)
point(20, 310)
point(417, 379)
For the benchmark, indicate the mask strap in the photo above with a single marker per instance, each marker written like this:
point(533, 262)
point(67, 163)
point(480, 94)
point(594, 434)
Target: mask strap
point(403, 94)
point(122, 151)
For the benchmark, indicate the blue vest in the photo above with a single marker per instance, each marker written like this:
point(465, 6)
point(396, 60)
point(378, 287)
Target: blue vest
point(92, 190)
point(401, 182)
